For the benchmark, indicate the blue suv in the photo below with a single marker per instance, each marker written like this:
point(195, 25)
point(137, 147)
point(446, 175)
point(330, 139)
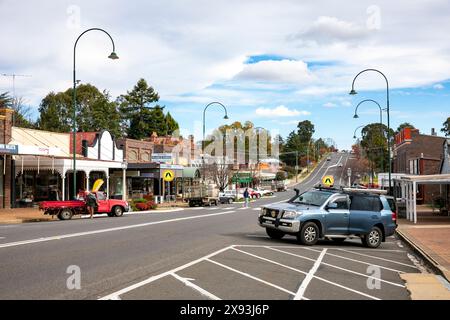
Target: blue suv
point(330, 213)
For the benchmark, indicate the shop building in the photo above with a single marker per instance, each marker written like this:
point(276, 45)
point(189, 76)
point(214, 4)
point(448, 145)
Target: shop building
point(419, 154)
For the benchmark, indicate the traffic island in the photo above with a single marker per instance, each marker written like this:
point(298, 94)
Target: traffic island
point(22, 215)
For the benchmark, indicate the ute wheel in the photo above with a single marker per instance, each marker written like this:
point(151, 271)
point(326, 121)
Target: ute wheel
point(274, 233)
point(118, 211)
point(65, 214)
point(373, 238)
point(110, 214)
point(309, 234)
point(230, 201)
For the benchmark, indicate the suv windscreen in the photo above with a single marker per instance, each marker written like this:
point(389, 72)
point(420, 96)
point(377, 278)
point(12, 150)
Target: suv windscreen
point(312, 198)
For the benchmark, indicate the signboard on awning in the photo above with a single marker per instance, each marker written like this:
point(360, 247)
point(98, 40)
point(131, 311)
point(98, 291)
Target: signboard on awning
point(8, 148)
point(39, 151)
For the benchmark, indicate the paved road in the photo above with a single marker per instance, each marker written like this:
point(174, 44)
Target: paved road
point(197, 253)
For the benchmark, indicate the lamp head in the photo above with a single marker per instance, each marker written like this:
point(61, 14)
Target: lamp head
point(226, 117)
point(355, 116)
point(354, 137)
point(113, 56)
point(352, 92)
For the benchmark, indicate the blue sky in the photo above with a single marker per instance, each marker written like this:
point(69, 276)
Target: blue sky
point(274, 63)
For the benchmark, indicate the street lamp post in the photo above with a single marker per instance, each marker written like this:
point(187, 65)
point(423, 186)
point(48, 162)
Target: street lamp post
point(353, 92)
point(204, 131)
point(381, 123)
point(258, 144)
point(112, 56)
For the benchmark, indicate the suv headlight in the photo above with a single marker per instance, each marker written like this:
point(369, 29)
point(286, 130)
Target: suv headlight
point(262, 212)
point(288, 214)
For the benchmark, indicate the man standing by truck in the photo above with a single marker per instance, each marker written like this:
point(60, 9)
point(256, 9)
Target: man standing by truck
point(91, 203)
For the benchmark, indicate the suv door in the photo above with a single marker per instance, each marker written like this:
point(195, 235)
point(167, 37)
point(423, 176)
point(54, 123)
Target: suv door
point(337, 216)
point(365, 212)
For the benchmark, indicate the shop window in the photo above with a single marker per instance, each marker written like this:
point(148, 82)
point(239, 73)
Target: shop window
point(132, 155)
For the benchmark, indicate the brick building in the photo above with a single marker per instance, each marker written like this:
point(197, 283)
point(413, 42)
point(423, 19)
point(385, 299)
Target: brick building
point(6, 161)
point(419, 154)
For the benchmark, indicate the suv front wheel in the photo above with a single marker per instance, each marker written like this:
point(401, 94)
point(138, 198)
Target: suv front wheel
point(309, 234)
point(373, 238)
point(274, 233)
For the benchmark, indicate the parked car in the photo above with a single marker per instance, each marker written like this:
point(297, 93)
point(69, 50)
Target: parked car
point(264, 192)
point(254, 193)
point(64, 210)
point(228, 196)
point(330, 213)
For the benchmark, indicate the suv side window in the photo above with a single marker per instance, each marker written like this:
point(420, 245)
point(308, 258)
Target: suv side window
point(365, 203)
point(342, 203)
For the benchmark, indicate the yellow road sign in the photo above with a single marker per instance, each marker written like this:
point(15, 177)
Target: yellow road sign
point(168, 175)
point(328, 180)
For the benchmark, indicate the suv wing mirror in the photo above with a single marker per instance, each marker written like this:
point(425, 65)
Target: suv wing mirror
point(332, 205)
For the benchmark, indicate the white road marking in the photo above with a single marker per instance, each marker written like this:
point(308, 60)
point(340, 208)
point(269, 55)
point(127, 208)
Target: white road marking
point(79, 234)
point(312, 178)
point(113, 295)
point(362, 262)
point(302, 272)
point(255, 209)
point(301, 247)
point(337, 267)
point(195, 287)
point(374, 257)
point(301, 290)
point(257, 236)
point(251, 277)
point(332, 166)
point(2, 237)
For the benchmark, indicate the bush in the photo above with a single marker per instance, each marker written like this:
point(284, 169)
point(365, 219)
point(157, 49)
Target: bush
point(141, 200)
point(142, 206)
point(151, 205)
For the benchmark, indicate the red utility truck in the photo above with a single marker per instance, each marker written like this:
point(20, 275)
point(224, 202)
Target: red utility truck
point(66, 209)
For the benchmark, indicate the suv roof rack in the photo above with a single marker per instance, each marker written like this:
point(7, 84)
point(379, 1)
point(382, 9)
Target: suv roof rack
point(369, 191)
point(325, 188)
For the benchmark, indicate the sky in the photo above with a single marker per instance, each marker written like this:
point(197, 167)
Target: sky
point(274, 63)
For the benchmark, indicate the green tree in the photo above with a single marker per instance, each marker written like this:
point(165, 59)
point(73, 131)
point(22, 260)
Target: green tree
point(95, 111)
point(171, 124)
point(135, 107)
point(446, 127)
point(305, 131)
point(5, 100)
point(374, 143)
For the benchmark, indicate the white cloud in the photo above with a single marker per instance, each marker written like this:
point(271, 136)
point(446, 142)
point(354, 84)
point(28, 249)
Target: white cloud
point(330, 105)
point(328, 29)
point(277, 71)
point(280, 111)
point(438, 86)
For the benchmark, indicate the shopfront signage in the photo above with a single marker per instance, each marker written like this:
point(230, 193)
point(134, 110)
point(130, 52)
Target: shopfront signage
point(39, 151)
point(8, 148)
point(162, 157)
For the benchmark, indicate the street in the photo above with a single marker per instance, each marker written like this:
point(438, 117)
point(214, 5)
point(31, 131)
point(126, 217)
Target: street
point(196, 253)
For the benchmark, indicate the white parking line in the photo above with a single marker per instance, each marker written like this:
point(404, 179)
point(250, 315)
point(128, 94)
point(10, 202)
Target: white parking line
point(374, 257)
point(339, 268)
point(330, 248)
point(255, 209)
point(116, 294)
point(195, 287)
point(79, 234)
point(358, 261)
point(301, 290)
point(251, 277)
point(303, 272)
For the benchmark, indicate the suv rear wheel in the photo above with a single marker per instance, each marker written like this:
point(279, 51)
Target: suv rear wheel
point(274, 233)
point(373, 238)
point(309, 234)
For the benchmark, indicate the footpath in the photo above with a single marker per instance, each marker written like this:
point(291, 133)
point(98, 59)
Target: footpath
point(430, 240)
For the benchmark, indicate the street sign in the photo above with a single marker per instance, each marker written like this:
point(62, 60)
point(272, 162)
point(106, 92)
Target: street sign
point(349, 172)
point(328, 180)
point(168, 175)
